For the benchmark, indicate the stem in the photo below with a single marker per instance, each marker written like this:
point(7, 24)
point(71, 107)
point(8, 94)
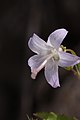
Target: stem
point(69, 50)
point(76, 72)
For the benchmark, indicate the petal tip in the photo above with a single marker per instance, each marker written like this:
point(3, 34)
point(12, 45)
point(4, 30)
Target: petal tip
point(64, 30)
point(34, 35)
point(30, 39)
point(54, 85)
point(29, 42)
point(34, 73)
point(33, 76)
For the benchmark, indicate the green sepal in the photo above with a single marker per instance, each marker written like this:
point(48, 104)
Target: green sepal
point(69, 68)
point(78, 66)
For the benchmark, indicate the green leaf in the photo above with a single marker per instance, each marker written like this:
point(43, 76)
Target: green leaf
point(62, 117)
point(52, 116)
point(46, 116)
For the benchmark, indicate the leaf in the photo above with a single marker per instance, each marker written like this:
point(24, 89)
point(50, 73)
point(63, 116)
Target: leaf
point(52, 116)
point(46, 116)
point(62, 117)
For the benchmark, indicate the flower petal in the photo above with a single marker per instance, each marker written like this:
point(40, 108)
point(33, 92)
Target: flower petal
point(51, 73)
point(67, 59)
point(56, 38)
point(36, 63)
point(37, 45)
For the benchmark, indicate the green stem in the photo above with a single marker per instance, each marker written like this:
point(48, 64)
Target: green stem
point(76, 72)
point(69, 50)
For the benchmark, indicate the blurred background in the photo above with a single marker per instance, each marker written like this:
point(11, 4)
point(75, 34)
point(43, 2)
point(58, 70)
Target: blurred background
point(19, 94)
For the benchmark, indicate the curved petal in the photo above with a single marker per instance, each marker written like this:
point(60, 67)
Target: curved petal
point(67, 59)
point(55, 39)
point(37, 45)
point(37, 62)
point(51, 73)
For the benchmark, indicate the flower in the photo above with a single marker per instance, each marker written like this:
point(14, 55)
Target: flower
point(49, 56)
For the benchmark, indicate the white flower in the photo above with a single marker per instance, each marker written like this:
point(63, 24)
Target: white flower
point(50, 56)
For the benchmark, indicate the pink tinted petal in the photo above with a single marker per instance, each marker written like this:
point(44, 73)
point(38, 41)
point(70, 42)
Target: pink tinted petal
point(37, 45)
point(36, 60)
point(56, 38)
point(67, 59)
point(36, 63)
point(51, 73)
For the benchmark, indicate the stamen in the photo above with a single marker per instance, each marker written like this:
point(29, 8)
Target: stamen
point(55, 55)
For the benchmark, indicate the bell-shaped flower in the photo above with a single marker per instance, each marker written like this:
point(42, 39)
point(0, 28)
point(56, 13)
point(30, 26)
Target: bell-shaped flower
point(49, 56)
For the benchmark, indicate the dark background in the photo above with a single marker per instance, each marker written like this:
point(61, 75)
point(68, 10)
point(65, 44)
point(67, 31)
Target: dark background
point(19, 94)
